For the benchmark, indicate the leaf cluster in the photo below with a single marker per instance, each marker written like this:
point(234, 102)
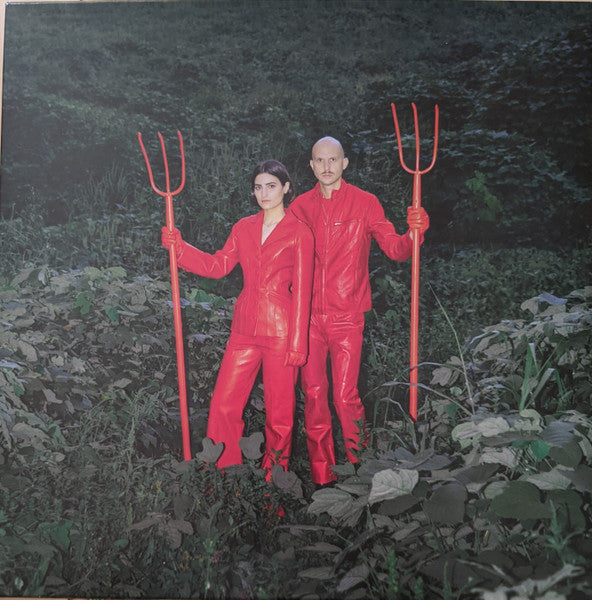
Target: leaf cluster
point(541, 363)
point(94, 497)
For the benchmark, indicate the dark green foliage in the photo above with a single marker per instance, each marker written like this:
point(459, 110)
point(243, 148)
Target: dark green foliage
point(489, 492)
point(94, 499)
point(514, 108)
point(543, 364)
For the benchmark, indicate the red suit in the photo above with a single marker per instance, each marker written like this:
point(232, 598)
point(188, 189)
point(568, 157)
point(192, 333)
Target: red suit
point(269, 329)
point(343, 228)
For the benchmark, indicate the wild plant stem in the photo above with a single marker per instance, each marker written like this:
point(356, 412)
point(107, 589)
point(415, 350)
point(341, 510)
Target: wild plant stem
point(460, 352)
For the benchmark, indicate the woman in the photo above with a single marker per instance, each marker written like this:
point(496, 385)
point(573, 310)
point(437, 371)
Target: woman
point(270, 323)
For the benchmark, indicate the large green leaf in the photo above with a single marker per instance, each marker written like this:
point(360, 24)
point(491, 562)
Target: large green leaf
point(507, 456)
point(568, 505)
point(549, 480)
point(251, 445)
point(389, 484)
point(211, 452)
point(540, 449)
point(60, 534)
point(476, 474)
point(568, 455)
point(398, 505)
point(322, 573)
point(353, 577)
point(447, 504)
point(520, 500)
point(287, 481)
point(580, 477)
point(338, 504)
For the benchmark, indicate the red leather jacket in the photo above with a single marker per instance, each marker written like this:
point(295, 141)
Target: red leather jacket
point(277, 277)
point(343, 228)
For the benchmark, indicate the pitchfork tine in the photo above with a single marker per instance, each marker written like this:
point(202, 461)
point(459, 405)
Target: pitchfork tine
point(416, 135)
point(166, 166)
point(436, 122)
point(400, 144)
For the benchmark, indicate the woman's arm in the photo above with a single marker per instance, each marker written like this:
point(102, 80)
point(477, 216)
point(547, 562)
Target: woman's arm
point(194, 260)
point(301, 296)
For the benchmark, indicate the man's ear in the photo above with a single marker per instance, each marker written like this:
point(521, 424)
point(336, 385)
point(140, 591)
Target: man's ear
point(310, 163)
point(345, 162)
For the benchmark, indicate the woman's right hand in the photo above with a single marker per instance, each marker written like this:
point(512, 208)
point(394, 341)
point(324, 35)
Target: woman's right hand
point(295, 359)
point(169, 238)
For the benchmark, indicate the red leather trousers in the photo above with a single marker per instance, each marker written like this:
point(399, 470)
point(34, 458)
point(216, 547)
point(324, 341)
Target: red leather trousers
point(340, 336)
point(243, 358)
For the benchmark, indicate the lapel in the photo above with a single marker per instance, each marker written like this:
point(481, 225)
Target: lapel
point(276, 233)
point(254, 231)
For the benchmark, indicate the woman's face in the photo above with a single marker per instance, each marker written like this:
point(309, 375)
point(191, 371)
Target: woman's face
point(269, 191)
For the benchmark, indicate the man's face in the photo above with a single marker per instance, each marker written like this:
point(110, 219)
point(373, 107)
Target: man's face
point(328, 163)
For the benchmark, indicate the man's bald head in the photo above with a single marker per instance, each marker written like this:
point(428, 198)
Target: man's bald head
point(328, 142)
point(328, 163)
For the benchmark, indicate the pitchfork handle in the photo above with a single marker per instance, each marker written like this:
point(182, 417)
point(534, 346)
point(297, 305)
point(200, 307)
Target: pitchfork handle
point(170, 223)
point(416, 202)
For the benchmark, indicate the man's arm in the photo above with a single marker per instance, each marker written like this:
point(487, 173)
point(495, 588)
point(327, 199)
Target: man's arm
point(395, 246)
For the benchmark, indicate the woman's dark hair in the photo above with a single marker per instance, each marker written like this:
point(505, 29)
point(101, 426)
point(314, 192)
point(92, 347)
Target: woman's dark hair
point(277, 169)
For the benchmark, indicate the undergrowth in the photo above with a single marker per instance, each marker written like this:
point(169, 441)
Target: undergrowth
point(492, 481)
point(487, 495)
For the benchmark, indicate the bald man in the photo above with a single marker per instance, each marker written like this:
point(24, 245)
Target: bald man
point(343, 219)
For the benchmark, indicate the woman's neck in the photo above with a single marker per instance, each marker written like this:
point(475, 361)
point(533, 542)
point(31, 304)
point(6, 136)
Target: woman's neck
point(274, 215)
point(271, 217)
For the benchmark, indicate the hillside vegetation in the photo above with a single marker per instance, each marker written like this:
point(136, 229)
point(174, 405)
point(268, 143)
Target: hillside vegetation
point(487, 495)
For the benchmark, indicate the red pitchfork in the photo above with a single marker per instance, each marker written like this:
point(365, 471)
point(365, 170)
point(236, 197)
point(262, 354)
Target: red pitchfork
point(417, 173)
point(170, 223)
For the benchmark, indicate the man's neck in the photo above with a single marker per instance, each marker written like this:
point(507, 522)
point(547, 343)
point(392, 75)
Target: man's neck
point(326, 191)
